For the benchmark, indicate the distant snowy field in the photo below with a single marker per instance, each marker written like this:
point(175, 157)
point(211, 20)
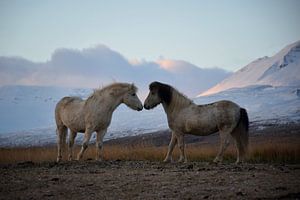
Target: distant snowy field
point(264, 103)
point(27, 116)
point(27, 112)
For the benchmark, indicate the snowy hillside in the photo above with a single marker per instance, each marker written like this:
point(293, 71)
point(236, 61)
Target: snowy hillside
point(282, 69)
point(27, 107)
point(31, 117)
point(264, 103)
point(28, 116)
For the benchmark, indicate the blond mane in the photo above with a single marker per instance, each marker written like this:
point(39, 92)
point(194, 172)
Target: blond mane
point(120, 87)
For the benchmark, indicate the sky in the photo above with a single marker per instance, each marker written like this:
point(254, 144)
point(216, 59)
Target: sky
point(214, 33)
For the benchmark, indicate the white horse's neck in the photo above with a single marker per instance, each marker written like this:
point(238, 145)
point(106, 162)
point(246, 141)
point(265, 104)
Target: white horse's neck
point(107, 102)
point(177, 103)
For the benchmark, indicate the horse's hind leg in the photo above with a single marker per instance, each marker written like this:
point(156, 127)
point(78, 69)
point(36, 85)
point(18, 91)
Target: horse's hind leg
point(71, 144)
point(170, 148)
point(240, 136)
point(240, 149)
point(61, 141)
point(87, 137)
point(99, 144)
point(180, 138)
point(224, 143)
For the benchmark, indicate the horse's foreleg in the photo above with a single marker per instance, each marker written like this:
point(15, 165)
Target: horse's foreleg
point(87, 137)
point(59, 156)
point(180, 138)
point(172, 144)
point(61, 134)
point(99, 144)
point(224, 143)
point(71, 144)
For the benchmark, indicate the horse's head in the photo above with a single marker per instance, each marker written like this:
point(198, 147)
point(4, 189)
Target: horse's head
point(131, 99)
point(158, 93)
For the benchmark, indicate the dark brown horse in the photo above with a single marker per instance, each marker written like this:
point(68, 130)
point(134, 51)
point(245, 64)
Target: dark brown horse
point(185, 117)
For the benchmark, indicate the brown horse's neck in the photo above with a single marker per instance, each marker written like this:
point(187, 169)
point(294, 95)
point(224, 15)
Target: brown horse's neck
point(177, 103)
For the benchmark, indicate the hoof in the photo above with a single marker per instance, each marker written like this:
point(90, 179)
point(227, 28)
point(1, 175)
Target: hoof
point(213, 163)
point(99, 160)
point(182, 160)
point(238, 162)
point(217, 160)
point(79, 157)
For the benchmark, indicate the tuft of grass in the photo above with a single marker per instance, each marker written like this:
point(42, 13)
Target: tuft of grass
point(271, 152)
point(275, 152)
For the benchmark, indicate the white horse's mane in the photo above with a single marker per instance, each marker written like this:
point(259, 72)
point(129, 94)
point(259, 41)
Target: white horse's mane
point(113, 86)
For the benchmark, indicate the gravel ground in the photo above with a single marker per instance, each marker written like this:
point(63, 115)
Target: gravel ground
point(148, 180)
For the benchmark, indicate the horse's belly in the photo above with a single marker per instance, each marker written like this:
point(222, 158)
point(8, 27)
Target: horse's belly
point(202, 132)
point(75, 123)
point(198, 128)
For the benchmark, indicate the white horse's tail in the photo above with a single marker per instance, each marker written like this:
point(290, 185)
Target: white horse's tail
point(241, 133)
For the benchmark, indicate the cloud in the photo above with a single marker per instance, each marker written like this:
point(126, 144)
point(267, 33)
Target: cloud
point(100, 65)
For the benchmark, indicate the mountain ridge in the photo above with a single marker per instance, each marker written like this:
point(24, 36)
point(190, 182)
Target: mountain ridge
point(281, 69)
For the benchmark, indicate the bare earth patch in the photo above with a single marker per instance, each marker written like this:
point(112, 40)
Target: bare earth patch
point(148, 180)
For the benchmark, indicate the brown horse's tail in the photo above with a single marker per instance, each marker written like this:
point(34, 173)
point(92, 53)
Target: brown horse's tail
point(241, 133)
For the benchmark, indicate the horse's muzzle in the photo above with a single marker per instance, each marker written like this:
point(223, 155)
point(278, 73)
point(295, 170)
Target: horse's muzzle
point(146, 107)
point(140, 108)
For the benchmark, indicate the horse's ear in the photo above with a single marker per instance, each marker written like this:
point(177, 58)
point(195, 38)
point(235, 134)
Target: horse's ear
point(132, 86)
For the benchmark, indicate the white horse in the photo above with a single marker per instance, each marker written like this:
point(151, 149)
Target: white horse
point(185, 117)
point(93, 114)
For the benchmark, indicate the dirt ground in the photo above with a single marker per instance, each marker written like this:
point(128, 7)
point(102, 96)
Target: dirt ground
point(148, 180)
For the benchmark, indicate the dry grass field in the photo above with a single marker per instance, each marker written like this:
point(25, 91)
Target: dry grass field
point(278, 151)
point(133, 169)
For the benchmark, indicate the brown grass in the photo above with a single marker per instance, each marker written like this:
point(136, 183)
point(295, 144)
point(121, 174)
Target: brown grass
point(263, 152)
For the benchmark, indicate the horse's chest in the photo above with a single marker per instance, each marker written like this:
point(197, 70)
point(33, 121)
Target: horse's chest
point(103, 122)
point(98, 120)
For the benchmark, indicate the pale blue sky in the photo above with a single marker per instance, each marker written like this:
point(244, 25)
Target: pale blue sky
point(228, 34)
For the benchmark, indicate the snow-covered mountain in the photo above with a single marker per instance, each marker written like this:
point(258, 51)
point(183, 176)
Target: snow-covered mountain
point(282, 69)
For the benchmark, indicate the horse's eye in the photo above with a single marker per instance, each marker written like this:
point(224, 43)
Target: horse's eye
point(133, 95)
point(152, 93)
